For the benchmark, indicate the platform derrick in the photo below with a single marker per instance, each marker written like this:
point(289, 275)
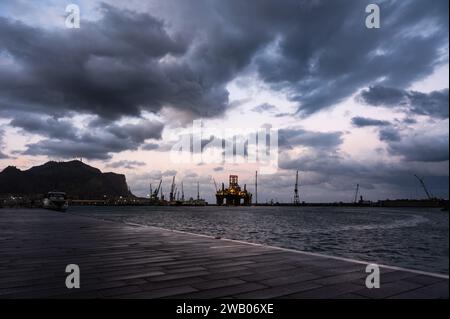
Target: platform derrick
point(233, 195)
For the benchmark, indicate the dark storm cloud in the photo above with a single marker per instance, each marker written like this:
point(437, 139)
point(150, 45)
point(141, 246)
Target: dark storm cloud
point(98, 144)
point(126, 164)
point(318, 52)
point(324, 53)
point(381, 95)
point(137, 133)
point(51, 127)
point(365, 121)
point(120, 65)
point(75, 148)
point(298, 137)
point(421, 148)
point(434, 104)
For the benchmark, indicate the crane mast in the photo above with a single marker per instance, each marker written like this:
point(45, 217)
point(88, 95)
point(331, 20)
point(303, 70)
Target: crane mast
point(198, 191)
point(256, 187)
point(182, 192)
point(156, 192)
point(356, 193)
point(296, 198)
point(172, 190)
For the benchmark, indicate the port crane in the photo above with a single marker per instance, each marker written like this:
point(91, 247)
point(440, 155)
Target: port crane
point(198, 191)
point(156, 192)
point(172, 190)
point(296, 199)
point(429, 195)
point(256, 188)
point(182, 192)
point(356, 193)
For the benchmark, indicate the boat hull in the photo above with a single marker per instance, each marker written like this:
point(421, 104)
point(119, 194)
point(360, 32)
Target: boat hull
point(55, 205)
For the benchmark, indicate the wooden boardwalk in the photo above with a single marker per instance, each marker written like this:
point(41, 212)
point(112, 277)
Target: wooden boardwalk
point(126, 261)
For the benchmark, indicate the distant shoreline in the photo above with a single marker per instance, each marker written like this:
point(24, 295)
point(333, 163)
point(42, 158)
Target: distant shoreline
point(443, 204)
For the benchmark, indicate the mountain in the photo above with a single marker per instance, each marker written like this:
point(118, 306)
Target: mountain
point(78, 180)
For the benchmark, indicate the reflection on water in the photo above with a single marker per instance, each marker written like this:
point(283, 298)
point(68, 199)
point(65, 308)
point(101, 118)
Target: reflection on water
point(412, 238)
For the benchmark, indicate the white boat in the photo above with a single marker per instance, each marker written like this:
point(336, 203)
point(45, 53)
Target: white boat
point(56, 201)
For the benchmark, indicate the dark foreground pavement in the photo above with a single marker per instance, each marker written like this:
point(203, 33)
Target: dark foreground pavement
point(127, 261)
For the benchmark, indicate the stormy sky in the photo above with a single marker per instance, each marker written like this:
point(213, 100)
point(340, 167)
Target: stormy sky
point(350, 104)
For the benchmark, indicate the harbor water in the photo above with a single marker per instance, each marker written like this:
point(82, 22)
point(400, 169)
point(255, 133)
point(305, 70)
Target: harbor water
point(415, 238)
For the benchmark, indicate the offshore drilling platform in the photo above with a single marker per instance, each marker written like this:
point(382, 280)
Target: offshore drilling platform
point(233, 195)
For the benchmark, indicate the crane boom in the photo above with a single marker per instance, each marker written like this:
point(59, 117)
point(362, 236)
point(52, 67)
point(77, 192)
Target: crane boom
point(215, 185)
point(356, 194)
point(424, 187)
point(155, 194)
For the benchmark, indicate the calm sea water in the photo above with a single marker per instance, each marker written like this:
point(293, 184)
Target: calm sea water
point(412, 238)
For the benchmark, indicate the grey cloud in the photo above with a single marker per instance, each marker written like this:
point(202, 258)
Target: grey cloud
point(126, 164)
point(283, 114)
point(364, 121)
point(409, 120)
point(150, 146)
point(72, 149)
point(155, 175)
point(380, 95)
point(120, 65)
point(2, 155)
point(170, 172)
point(295, 137)
point(191, 175)
point(422, 148)
point(434, 104)
point(128, 62)
point(138, 133)
point(98, 144)
point(265, 107)
point(324, 54)
point(384, 180)
point(46, 126)
point(389, 134)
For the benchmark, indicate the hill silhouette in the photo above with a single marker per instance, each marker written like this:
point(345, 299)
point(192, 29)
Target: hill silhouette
point(78, 180)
